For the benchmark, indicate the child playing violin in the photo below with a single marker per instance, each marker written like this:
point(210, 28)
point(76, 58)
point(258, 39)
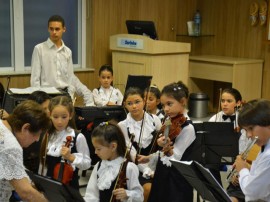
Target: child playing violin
point(106, 94)
point(144, 127)
point(105, 182)
point(231, 100)
point(168, 184)
point(62, 116)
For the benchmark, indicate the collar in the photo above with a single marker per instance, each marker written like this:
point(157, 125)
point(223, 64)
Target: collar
point(51, 44)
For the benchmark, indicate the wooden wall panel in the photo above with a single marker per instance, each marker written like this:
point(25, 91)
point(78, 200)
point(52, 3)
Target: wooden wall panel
point(228, 21)
point(109, 16)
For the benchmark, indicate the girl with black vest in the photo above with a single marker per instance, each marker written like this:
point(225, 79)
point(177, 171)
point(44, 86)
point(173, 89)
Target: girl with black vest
point(114, 176)
point(77, 154)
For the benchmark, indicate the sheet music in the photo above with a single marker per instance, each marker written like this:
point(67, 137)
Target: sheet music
point(29, 90)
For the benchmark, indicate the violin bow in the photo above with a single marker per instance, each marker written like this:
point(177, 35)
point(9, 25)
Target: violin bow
point(142, 125)
point(4, 98)
point(219, 103)
point(110, 95)
point(125, 160)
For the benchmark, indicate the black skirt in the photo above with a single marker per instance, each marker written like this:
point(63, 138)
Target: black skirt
point(170, 186)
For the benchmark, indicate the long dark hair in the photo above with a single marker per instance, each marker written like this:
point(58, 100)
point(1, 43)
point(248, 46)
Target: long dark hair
point(175, 90)
point(108, 132)
point(66, 102)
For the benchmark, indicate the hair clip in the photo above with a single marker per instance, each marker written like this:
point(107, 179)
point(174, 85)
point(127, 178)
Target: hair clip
point(177, 88)
point(153, 86)
point(103, 123)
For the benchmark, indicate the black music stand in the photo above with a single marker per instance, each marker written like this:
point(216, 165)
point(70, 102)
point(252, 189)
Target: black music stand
point(216, 143)
point(54, 190)
point(202, 180)
point(139, 81)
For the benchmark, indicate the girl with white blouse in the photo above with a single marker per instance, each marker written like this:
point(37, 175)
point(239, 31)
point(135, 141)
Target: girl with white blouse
point(77, 155)
point(106, 181)
point(106, 94)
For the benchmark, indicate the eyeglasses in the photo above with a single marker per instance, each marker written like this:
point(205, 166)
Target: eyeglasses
point(137, 102)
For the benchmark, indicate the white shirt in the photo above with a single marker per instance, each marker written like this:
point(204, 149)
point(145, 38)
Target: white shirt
point(81, 90)
point(53, 66)
point(255, 183)
point(102, 96)
point(108, 172)
point(82, 157)
point(151, 123)
point(243, 140)
point(11, 162)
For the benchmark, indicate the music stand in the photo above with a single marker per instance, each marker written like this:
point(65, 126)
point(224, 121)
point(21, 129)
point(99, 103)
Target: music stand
point(202, 180)
point(138, 81)
point(216, 143)
point(54, 190)
point(221, 143)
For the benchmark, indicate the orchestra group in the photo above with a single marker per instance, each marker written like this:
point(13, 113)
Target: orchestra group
point(135, 154)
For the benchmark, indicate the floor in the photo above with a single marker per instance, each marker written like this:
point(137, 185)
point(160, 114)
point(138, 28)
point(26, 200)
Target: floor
point(84, 179)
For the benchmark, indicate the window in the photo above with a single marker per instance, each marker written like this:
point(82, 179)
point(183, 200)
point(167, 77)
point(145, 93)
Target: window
point(30, 19)
point(5, 34)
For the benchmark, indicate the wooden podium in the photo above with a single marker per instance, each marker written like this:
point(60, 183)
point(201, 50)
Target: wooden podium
point(166, 61)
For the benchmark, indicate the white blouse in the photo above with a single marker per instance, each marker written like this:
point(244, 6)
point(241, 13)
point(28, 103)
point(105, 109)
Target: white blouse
point(11, 162)
point(102, 179)
point(102, 96)
point(82, 157)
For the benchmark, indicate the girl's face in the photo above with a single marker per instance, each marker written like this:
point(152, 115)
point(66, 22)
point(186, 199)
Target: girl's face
point(171, 106)
point(25, 137)
point(228, 103)
point(105, 79)
point(151, 102)
point(45, 106)
point(60, 117)
point(104, 152)
point(261, 131)
point(135, 104)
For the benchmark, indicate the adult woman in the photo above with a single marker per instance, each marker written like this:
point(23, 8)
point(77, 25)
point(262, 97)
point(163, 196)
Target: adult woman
point(20, 129)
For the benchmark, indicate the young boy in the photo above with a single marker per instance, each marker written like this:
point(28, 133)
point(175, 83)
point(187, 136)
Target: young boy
point(52, 63)
point(254, 117)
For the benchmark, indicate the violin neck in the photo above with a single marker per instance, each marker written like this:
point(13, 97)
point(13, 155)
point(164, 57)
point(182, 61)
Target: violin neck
point(61, 170)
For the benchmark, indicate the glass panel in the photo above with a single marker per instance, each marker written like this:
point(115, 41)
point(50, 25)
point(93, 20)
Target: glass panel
point(5, 34)
point(36, 15)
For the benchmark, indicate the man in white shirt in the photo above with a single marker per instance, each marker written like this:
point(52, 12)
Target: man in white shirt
point(254, 117)
point(52, 63)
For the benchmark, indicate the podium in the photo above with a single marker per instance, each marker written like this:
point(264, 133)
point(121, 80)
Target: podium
point(166, 61)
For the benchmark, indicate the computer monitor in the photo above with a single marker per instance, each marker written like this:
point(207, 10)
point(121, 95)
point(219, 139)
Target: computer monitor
point(145, 28)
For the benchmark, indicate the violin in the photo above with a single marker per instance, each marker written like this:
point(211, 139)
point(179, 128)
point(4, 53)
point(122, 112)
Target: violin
point(171, 128)
point(63, 172)
point(121, 181)
point(175, 127)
